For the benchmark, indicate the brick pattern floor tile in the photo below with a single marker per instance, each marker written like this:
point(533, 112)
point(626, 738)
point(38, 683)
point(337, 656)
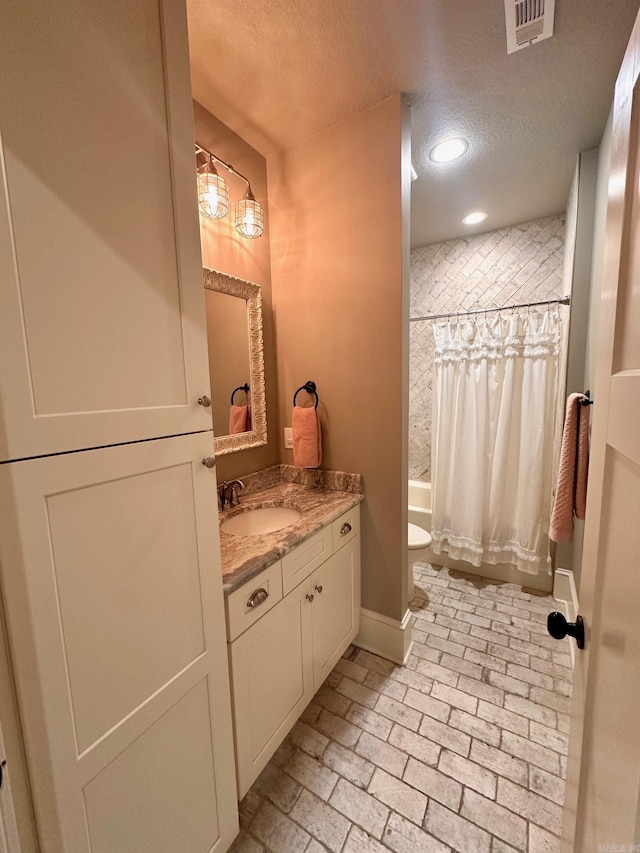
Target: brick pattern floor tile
point(464, 749)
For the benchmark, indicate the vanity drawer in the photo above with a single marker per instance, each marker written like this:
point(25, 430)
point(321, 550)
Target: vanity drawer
point(346, 528)
point(299, 563)
point(246, 605)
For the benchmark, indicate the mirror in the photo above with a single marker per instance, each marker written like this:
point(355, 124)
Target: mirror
point(236, 362)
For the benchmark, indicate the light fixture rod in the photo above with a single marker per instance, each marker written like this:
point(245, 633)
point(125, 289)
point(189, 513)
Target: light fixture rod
point(227, 166)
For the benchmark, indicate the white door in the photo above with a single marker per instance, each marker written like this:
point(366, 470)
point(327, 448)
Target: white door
point(602, 810)
point(336, 608)
point(113, 593)
point(102, 322)
point(8, 829)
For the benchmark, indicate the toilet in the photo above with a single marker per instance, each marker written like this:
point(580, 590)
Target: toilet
point(419, 540)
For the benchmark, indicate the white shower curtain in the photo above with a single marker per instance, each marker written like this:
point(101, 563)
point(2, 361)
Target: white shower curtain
point(494, 408)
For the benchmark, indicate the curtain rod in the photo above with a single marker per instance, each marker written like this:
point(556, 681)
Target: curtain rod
point(564, 300)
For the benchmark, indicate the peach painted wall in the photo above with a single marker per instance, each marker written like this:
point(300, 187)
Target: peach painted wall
point(225, 250)
point(340, 259)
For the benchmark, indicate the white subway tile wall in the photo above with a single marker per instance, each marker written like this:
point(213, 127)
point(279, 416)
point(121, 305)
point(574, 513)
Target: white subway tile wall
point(522, 263)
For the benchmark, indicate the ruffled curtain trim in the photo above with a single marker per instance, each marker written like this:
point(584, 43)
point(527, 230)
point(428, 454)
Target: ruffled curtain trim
point(492, 553)
point(528, 336)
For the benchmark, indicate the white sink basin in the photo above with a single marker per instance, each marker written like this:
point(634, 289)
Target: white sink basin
point(255, 522)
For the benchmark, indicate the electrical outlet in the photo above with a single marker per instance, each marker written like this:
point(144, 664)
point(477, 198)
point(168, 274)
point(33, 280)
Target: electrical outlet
point(288, 437)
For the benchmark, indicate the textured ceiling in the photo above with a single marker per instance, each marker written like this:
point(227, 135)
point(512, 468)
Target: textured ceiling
point(278, 71)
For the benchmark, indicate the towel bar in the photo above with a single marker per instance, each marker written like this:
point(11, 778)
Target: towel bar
point(244, 388)
point(310, 388)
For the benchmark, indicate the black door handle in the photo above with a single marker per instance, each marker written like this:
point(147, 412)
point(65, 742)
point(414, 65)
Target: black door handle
point(558, 627)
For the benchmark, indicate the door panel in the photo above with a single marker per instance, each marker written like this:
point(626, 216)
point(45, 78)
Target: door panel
point(113, 593)
point(132, 804)
point(611, 787)
point(603, 777)
point(100, 271)
point(138, 537)
point(272, 682)
point(9, 842)
point(336, 608)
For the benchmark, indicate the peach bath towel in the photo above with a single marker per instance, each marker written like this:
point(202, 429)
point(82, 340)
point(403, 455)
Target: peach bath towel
point(571, 489)
point(307, 438)
point(239, 419)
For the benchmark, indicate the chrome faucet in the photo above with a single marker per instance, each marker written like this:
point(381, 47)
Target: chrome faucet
point(228, 493)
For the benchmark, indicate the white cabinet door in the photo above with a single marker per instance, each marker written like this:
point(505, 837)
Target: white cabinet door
point(113, 593)
point(272, 682)
point(335, 612)
point(102, 322)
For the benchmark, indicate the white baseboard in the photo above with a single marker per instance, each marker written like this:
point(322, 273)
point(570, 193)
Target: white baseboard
point(565, 592)
point(385, 637)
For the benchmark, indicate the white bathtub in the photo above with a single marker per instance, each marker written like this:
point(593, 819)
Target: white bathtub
point(420, 504)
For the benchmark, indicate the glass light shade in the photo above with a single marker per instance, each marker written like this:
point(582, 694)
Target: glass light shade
point(213, 195)
point(249, 220)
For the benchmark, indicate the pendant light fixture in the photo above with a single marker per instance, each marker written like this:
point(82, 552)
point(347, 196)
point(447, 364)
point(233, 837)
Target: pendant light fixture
point(213, 192)
point(249, 220)
point(213, 196)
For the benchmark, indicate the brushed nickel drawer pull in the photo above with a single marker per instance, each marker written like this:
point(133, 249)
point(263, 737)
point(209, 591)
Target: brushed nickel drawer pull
point(258, 597)
point(346, 528)
point(209, 462)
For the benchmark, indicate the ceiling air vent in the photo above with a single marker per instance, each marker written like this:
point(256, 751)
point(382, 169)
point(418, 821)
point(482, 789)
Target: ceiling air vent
point(528, 21)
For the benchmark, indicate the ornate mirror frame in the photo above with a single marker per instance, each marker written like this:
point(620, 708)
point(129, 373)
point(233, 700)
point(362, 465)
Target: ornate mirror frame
point(222, 283)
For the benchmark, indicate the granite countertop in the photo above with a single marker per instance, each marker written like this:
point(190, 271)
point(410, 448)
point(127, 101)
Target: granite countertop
point(244, 557)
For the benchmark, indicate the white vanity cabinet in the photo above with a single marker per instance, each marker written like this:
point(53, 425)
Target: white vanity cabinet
point(271, 682)
point(280, 661)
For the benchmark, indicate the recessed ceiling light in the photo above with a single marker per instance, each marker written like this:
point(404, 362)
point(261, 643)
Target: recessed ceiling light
point(448, 150)
point(474, 218)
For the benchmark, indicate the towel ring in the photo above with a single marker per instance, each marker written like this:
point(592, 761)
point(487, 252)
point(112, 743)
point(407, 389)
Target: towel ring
point(244, 388)
point(586, 400)
point(310, 388)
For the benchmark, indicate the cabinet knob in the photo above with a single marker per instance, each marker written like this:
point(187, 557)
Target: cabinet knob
point(205, 401)
point(346, 528)
point(318, 589)
point(309, 596)
point(209, 461)
point(258, 597)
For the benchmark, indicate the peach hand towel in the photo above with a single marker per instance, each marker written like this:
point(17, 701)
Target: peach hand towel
point(307, 438)
point(571, 489)
point(239, 419)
